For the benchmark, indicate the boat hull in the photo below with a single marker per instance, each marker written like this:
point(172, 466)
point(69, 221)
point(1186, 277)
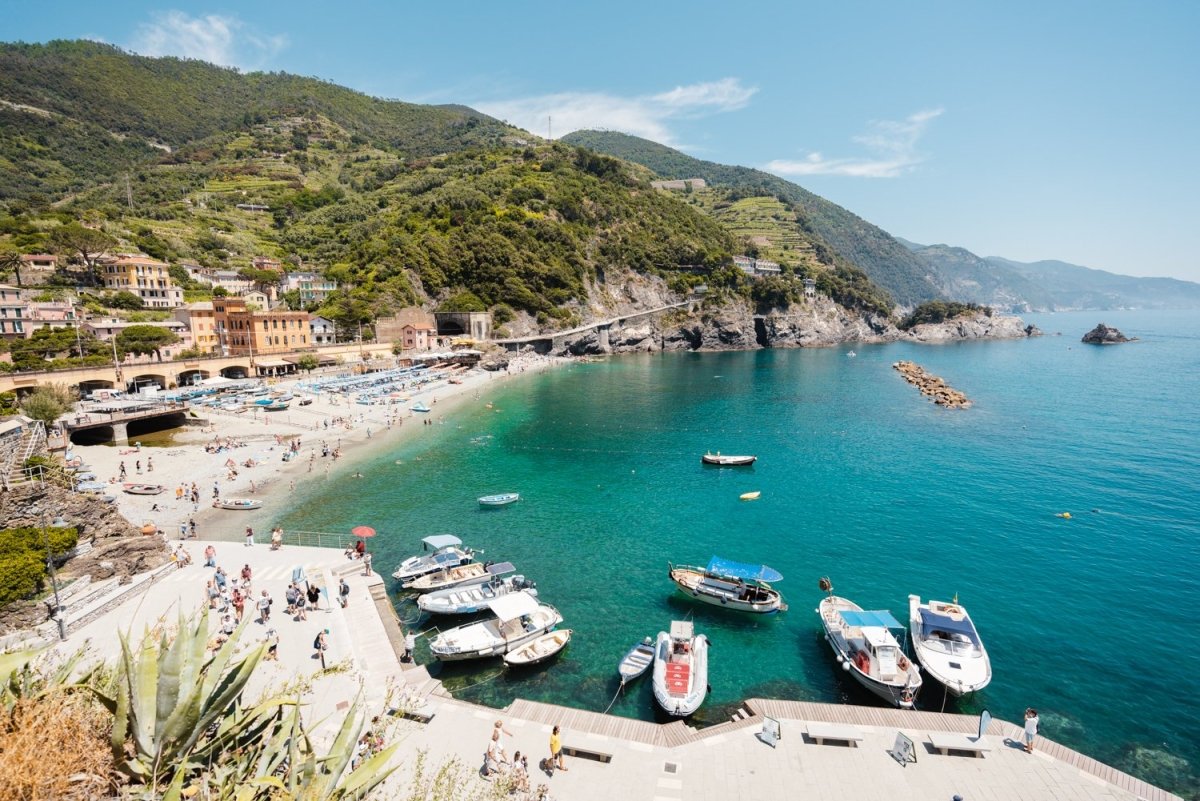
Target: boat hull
point(469, 599)
point(716, 460)
point(445, 649)
point(637, 661)
point(678, 704)
point(499, 500)
point(540, 650)
point(960, 669)
point(726, 594)
point(239, 506)
point(900, 695)
point(462, 576)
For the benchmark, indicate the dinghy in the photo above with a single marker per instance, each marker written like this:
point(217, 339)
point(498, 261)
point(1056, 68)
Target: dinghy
point(518, 619)
point(243, 504)
point(419, 407)
point(727, 461)
point(636, 660)
point(143, 489)
point(732, 585)
point(948, 646)
point(541, 649)
point(750, 496)
point(680, 669)
point(502, 499)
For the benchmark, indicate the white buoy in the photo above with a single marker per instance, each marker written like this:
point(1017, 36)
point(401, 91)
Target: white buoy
point(846, 666)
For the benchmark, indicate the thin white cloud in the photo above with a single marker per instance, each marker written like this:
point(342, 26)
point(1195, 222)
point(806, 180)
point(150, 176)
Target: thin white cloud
point(215, 38)
point(891, 146)
point(649, 116)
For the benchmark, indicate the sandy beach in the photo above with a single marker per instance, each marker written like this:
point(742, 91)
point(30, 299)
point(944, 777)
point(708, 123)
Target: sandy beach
point(241, 455)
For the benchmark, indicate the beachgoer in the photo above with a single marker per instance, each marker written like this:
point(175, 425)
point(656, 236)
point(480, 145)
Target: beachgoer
point(556, 754)
point(272, 654)
point(219, 577)
point(359, 548)
point(301, 613)
point(183, 530)
point(179, 493)
point(343, 593)
point(122, 471)
point(493, 759)
point(498, 732)
point(149, 464)
point(249, 537)
point(211, 591)
point(227, 625)
point(246, 574)
point(367, 565)
point(520, 773)
point(290, 596)
point(192, 527)
point(138, 465)
point(314, 596)
point(1031, 728)
point(239, 604)
point(410, 643)
point(264, 606)
point(319, 645)
point(276, 538)
point(210, 556)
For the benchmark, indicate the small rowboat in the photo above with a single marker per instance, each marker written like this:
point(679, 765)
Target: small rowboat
point(143, 489)
point(277, 406)
point(502, 499)
point(727, 461)
point(637, 661)
point(541, 649)
point(244, 504)
point(750, 496)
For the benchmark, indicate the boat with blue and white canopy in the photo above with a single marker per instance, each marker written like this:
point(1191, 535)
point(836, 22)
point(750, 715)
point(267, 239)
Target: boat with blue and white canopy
point(865, 647)
point(741, 586)
point(442, 551)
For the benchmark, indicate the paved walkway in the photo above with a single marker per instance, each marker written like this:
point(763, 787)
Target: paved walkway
point(658, 763)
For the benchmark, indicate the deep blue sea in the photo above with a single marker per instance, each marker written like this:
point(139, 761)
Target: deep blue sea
point(1092, 620)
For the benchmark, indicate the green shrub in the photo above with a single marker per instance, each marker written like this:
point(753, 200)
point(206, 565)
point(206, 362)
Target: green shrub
point(23, 558)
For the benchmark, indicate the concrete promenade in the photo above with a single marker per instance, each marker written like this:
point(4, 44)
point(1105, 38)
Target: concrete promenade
point(657, 763)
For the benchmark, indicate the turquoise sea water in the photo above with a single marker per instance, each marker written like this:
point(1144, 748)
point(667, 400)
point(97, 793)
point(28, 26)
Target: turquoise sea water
point(1089, 619)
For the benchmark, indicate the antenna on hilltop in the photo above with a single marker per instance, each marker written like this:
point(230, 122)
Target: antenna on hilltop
point(549, 127)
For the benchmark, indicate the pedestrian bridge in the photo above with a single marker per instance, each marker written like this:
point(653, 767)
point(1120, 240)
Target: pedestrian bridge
point(110, 420)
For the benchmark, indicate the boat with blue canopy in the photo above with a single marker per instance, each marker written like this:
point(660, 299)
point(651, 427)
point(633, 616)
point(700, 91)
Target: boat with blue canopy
point(948, 646)
point(866, 648)
point(742, 586)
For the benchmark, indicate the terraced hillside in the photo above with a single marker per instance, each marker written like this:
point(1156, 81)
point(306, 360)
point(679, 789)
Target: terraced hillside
point(769, 229)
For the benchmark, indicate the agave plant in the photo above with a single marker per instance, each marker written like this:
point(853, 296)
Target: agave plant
point(21, 679)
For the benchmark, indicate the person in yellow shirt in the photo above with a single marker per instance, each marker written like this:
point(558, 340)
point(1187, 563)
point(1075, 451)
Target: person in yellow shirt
point(556, 755)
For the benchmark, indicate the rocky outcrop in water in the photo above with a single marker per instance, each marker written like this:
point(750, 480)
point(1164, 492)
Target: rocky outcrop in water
point(1103, 335)
point(931, 386)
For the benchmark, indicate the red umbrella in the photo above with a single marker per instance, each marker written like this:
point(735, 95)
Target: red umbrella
point(362, 532)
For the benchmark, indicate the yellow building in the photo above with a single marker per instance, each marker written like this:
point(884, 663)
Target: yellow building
point(150, 280)
point(201, 321)
point(244, 332)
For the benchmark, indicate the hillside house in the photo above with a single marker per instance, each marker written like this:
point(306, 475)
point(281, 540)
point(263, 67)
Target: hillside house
point(313, 287)
point(323, 332)
point(143, 276)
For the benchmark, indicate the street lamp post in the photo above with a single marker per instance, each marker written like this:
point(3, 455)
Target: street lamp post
point(59, 614)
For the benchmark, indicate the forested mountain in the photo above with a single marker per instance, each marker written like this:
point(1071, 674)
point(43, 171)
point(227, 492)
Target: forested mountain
point(1048, 285)
point(885, 260)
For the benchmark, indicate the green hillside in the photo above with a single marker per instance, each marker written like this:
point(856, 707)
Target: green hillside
point(885, 260)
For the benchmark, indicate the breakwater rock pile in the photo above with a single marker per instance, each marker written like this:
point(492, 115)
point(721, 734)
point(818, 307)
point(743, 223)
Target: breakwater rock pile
point(931, 386)
point(1103, 335)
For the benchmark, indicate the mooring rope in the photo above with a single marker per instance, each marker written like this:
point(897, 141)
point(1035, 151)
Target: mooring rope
point(614, 698)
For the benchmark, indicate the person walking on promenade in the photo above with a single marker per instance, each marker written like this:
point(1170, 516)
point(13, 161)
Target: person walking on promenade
point(264, 607)
point(498, 732)
point(1031, 728)
point(239, 604)
point(249, 537)
point(343, 593)
point(276, 538)
point(314, 597)
point(410, 643)
point(210, 556)
point(192, 527)
point(319, 645)
point(556, 754)
point(121, 471)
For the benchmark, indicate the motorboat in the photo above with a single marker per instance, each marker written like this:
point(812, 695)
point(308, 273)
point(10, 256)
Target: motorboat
point(750, 496)
point(545, 647)
point(503, 499)
point(457, 576)
point(517, 619)
point(680, 669)
point(440, 552)
point(948, 646)
point(471, 598)
point(419, 407)
point(143, 489)
point(727, 461)
point(732, 585)
point(243, 504)
point(636, 660)
point(276, 406)
point(865, 647)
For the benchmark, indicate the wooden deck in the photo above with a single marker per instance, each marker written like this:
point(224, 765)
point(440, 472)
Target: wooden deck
point(677, 733)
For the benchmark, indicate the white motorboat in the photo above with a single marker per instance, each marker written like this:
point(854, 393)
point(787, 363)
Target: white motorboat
point(866, 648)
point(441, 551)
point(541, 649)
point(501, 499)
point(636, 660)
point(143, 489)
point(472, 598)
point(948, 646)
point(680, 669)
point(727, 461)
point(732, 585)
point(243, 504)
point(518, 619)
point(458, 576)
point(419, 407)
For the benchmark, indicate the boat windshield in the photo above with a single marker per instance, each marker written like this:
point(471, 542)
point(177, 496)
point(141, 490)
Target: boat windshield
point(949, 634)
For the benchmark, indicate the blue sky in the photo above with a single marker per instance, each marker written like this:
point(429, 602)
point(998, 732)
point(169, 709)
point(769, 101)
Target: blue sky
point(1031, 130)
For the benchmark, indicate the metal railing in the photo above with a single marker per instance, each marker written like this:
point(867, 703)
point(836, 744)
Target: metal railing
point(311, 539)
point(32, 437)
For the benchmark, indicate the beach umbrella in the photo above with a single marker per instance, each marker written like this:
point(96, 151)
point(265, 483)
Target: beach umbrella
point(362, 532)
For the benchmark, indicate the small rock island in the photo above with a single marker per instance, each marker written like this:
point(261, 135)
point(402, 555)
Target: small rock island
point(931, 386)
point(1103, 335)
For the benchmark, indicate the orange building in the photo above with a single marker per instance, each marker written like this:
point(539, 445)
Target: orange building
point(244, 332)
point(201, 321)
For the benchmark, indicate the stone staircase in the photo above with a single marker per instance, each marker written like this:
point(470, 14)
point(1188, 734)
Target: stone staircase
point(31, 442)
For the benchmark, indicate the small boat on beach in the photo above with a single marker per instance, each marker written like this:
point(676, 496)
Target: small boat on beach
point(502, 499)
point(277, 406)
point(948, 646)
point(727, 461)
point(732, 585)
point(636, 661)
point(865, 647)
point(243, 504)
point(750, 496)
point(518, 619)
point(468, 599)
point(545, 647)
point(142, 489)
point(441, 551)
point(680, 669)
point(419, 406)
point(461, 575)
